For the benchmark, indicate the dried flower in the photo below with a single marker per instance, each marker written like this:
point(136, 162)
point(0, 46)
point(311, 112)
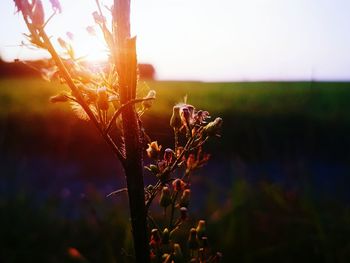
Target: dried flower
point(185, 117)
point(192, 240)
point(165, 197)
point(175, 120)
point(56, 6)
point(201, 116)
point(178, 185)
point(201, 229)
point(185, 198)
point(153, 150)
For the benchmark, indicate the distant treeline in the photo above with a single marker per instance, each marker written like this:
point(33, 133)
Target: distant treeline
point(31, 69)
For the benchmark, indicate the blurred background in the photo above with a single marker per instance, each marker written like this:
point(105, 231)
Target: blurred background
point(276, 187)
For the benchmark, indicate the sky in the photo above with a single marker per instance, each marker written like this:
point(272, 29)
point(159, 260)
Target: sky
point(207, 40)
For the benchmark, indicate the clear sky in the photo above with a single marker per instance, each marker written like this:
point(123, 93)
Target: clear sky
point(213, 40)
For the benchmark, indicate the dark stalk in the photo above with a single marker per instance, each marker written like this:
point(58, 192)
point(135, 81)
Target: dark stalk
point(126, 65)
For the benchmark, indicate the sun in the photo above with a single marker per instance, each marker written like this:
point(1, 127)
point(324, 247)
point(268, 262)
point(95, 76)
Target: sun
point(90, 49)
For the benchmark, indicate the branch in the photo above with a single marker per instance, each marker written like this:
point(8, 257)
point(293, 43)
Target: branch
point(119, 111)
point(76, 92)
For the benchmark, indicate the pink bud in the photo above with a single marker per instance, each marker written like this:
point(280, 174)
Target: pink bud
point(37, 15)
point(56, 6)
point(70, 35)
point(99, 19)
point(91, 30)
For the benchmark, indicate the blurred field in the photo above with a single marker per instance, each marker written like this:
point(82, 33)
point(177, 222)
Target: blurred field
point(276, 189)
point(324, 101)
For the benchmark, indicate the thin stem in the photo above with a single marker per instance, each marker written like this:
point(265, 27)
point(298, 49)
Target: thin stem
point(120, 109)
point(76, 92)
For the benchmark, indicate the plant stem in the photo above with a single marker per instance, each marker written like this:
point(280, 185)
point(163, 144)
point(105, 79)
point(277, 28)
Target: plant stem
point(125, 60)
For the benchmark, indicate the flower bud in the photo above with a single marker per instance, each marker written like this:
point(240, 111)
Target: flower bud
point(91, 30)
point(213, 127)
point(62, 43)
point(191, 161)
point(155, 239)
point(183, 213)
point(178, 256)
point(99, 19)
point(178, 185)
point(62, 97)
point(70, 35)
point(150, 96)
point(168, 155)
point(153, 150)
point(165, 197)
point(165, 236)
point(185, 198)
point(38, 15)
point(192, 240)
point(56, 6)
point(201, 229)
point(102, 99)
point(175, 120)
point(23, 6)
point(185, 117)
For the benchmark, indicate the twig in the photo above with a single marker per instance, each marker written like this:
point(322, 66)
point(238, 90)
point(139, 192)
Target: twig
point(120, 109)
point(117, 192)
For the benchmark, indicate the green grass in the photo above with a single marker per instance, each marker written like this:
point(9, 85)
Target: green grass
point(326, 101)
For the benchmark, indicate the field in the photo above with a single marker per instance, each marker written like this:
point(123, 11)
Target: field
point(276, 189)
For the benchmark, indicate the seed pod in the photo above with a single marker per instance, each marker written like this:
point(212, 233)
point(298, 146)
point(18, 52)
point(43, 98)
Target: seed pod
point(168, 155)
point(165, 197)
point(177, 255)
point(183, 213)
point(165, 236)
point(212, 128)
point(175, 120)
point(178, 185)
point(155, 239)
point(201, 229)
point(185, 118)
point(185, 198)
point(192, 240)
point(153, 150)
